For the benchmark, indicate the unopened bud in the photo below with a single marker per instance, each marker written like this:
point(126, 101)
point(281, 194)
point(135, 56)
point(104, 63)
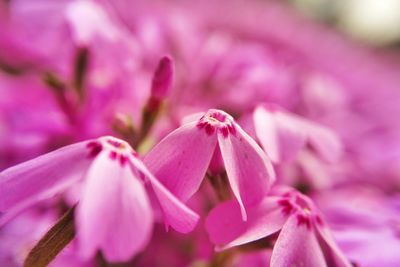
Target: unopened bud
point(162, 79)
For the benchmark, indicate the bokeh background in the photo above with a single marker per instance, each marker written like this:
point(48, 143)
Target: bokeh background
point(75, 70)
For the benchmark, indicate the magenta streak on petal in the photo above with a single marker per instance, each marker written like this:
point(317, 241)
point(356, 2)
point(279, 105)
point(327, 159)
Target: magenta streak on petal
point(94, 148)
point(300, 206)
point(115, 143)
point(113, 155)
point(123, 159)
point(287, 207)
point(303, 219)
point(210, 130)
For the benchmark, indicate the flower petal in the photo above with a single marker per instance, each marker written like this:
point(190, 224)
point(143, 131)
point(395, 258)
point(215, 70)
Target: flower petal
point(194, 117)
point(324, 141)
point(114, 213)
point(176, 214)
point(281, 135)
point(181, 159)
point(297, 245)
point(333, 254)
point(42, 177)
point(250, 172)
point(226, 228)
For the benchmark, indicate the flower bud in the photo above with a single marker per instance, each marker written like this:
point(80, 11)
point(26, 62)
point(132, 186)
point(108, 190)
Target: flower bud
point(162, 79)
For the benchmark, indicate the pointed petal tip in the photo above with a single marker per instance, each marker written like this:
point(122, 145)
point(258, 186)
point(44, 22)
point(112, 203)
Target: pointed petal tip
point(41, 178)
point(182, 170)
point(176, 214)
point(243, 158)
point(243, 212)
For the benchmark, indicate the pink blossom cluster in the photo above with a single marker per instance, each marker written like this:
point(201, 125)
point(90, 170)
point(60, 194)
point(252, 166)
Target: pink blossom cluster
point(193, 133)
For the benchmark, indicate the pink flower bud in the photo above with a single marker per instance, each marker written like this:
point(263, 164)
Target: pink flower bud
point(162, 79)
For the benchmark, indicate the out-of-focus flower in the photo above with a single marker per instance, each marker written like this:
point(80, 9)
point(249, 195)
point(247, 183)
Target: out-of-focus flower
point(162, 79)
point(365, 222)
point(23, 133)
point(114, 213)
point(304, 238)
point(73, 70)
point(304, 151)
point(283, 135)
point(20, 235)
point(181, 159)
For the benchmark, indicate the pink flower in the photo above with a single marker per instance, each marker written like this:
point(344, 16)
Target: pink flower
point(283, 135)
point(365, 222)
point(182, 158)
point(304, 239)
point(114, 212)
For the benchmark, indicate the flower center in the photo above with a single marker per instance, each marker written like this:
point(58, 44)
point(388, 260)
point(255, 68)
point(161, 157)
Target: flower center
point(217, 120)
point(301, 207)
point(118, 150)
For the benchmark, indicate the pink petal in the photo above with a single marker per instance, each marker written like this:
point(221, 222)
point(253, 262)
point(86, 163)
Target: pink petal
point(226, 228)
point(194, 117)
point(333, 254)
point(176, 214)
point(297, 245)
point(42, 177)
point(324, 141)
point(314, 170)
point(250, 173)
point(114, 214)
point(181, 159)
point(89, 20)
point(281, 135)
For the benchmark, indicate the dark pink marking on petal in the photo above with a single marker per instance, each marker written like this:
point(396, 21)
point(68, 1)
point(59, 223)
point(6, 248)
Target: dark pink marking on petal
point(94, 149)
point(287, 207)
point(219, 116)
point(319, 220)
point(123, 159)
point(303, 219)
point(201, 124)
point(92, 144)
point(113, 155)
point(224, 131)
point(232, 129)
point(115, 143)
point(210, 129)
point(216, 120)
